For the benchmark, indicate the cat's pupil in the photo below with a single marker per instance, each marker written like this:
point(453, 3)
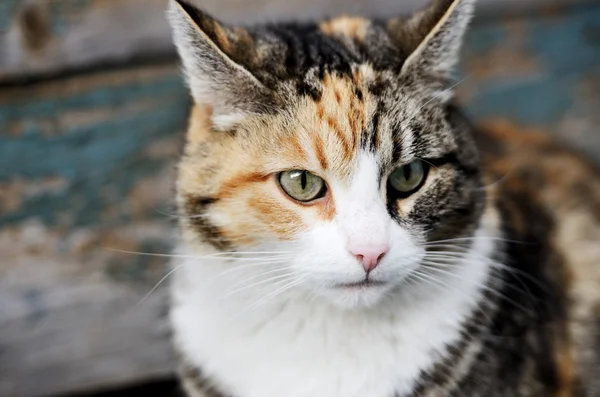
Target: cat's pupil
point(303, 180)
point(407, 171)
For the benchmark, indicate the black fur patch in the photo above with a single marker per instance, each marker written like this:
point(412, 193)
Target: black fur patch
point(195, 211)
point(197, 380)
point(305, 89)
point(369, 139)
point(519, 349)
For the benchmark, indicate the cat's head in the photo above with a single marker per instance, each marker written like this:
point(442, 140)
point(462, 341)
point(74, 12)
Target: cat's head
point(334, 145)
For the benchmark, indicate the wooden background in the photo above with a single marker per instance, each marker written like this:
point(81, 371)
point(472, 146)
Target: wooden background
point(92, 108)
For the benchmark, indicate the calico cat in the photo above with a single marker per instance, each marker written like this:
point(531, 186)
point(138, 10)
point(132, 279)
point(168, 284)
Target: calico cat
point(346, 232)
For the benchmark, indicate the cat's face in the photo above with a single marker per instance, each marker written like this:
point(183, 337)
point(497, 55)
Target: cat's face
point(330, 146)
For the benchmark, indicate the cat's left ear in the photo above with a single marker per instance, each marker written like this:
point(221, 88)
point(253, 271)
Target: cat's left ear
point(432, 38)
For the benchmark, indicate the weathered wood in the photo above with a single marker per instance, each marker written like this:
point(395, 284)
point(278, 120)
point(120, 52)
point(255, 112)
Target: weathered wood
point(84, 171)
point(86, 168)
point(538, 71)
point(48, 36)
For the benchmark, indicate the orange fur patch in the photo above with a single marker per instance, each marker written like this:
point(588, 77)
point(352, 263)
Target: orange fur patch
point(566, 371)
point(276, 216)
point(199, 124)
point(293, 150)
point(343, 113)
point(240, 182)
point(222, 39)
point(319, 151)
point(352, 27)
point(326, 208)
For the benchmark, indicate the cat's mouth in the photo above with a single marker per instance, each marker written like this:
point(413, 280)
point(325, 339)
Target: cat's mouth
point(361, 284)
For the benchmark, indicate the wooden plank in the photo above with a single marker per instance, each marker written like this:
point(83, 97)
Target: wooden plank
point(47, 36)
point(86, 167)
point(50, 36)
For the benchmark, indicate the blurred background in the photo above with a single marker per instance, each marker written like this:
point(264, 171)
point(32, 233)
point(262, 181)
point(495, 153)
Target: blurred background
point(92, 111)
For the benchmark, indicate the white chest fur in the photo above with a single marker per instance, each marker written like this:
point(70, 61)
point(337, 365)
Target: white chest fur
point(295, 346)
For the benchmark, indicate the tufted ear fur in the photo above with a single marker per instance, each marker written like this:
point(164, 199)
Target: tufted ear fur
point(207, 50)
point(432, 38)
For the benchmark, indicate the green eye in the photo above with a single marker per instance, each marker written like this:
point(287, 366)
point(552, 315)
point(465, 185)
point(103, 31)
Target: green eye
point(409, 178)
point(302, 185)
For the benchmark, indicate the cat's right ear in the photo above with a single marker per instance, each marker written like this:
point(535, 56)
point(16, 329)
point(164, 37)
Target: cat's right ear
point(207, 49)
point(431, 39)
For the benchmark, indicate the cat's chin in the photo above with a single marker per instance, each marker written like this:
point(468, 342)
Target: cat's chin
point(356, 295)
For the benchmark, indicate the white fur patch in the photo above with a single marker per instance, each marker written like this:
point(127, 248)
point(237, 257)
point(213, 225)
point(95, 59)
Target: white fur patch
point(227, 121)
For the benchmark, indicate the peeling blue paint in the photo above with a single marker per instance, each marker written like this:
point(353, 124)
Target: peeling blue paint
point(567, 49)
point(533, 102)
point(6, 11)
point(113, 97)
point(61, 8)
point(92, 157)
point(563, 44)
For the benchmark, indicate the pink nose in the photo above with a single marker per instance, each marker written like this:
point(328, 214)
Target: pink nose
point(369, 255)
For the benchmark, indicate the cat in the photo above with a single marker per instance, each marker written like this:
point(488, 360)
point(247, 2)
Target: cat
point(347, 232)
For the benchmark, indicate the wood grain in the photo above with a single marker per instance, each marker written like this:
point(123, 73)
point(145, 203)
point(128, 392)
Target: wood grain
point(41, 37)
point(85, 173)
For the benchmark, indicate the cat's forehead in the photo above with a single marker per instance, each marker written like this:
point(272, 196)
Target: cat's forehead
point(343, 115)
point(338, 122)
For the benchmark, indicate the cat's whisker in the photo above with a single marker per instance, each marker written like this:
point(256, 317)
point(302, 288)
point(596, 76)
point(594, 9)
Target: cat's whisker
point(451, 256)
point(263, 262)
point(273, 286)
point(427, 162)
point(433, 267)
point(245, 266)
point(455, 257)
point(253, 277)
point(147, 253)
point(432, 280)
point(517, 274)
point(448, 248)
point(252, 285)
point(474, 238)
point(166, 213)
point(163, 279)
point(465, 257)
point(277, 292)
point(224, 255)
point(494, 274)
point(495, 183)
